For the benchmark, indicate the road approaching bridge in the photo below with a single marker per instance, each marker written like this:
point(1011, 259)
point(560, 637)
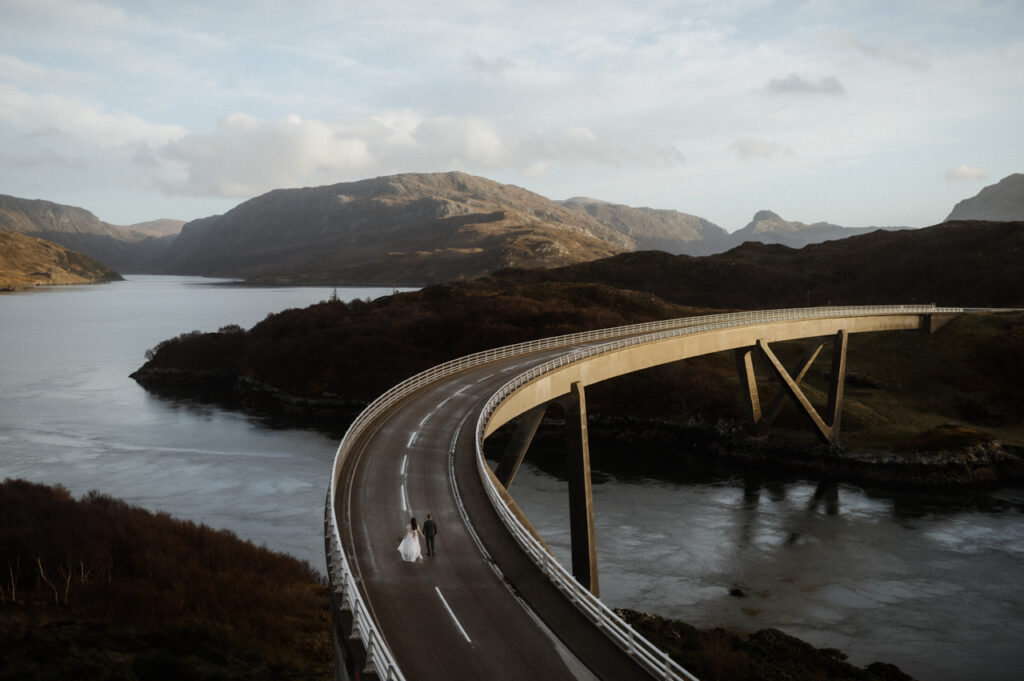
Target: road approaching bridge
point(494, 603)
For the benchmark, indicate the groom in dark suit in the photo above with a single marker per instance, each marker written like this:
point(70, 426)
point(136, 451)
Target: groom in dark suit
point(429, 532)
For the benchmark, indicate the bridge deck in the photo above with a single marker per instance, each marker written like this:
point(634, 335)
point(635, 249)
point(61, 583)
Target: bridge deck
point(496, 635)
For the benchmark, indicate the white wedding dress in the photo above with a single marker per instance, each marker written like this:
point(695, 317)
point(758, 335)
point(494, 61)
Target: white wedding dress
point(410, 547)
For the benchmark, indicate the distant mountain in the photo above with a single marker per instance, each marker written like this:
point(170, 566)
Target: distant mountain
point(1002, 201)
point(126, 249)
point(412, 228)
point(657, 230)
point(26, 261)
point(420, 229)
point(157, 228)
point(768, 228)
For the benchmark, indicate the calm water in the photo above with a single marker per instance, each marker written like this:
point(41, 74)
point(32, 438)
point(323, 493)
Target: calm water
point(935, 586)
point(70, 414)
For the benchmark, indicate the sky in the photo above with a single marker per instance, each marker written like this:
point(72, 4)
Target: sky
point(857, 113)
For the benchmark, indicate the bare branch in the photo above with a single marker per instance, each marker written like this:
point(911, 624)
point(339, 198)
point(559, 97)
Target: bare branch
point(42, 573)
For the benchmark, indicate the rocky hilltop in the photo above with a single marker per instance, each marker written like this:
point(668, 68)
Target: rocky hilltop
point(26, 261)
point(768, 228)
point(434, 227)
point(657, 230)
point(1002, 201)
point(413, 228)
point(125, 249)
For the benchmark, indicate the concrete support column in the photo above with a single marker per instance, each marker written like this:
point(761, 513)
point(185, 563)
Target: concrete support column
point(518, 444)
point(834, 410)
point(581, 496)
point(748, 386)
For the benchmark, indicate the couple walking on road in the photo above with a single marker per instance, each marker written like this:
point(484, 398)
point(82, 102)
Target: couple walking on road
point(410, 547)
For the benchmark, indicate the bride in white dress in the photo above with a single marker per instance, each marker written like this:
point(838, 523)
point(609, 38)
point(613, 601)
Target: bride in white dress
point(410, 547)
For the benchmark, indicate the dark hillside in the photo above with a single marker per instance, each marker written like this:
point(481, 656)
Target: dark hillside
point(966, 263)
point(357, 350)
point(98, 589)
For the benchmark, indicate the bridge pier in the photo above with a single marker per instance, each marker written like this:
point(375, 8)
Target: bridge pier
point(827, 427)
point(581, 495)
point(577, 465)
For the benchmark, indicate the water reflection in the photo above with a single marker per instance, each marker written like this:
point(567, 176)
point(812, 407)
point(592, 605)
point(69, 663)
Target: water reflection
point(915, 580)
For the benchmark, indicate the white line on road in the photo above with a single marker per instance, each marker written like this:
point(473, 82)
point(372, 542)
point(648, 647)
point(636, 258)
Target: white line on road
point(405, 462)
point(412, 438)
point(405, 499)
point(454, 618)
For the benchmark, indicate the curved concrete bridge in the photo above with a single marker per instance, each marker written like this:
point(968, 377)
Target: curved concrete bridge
point(494, 603)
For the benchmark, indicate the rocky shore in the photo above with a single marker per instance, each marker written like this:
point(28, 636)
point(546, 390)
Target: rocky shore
point(946, 456)
point(765, 655)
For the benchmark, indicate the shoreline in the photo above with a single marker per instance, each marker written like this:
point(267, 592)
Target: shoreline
point(982, 461)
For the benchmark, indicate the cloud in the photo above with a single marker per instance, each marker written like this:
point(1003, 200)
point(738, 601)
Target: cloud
point(896, 52)
point(795, 85)
point(49, 115)
point(752, 148)
point(246, 156)
point(479, 65)
point(965, 174)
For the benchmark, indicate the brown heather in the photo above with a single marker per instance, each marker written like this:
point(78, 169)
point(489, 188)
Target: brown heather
point(98, 589)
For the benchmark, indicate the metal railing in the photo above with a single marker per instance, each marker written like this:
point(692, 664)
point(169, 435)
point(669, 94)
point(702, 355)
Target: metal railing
point(343, 580)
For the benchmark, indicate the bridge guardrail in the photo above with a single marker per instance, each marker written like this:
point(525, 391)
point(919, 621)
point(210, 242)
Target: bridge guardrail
point(342, 578)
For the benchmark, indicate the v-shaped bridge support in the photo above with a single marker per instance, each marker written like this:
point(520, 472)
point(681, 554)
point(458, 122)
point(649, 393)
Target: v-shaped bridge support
point(827, 427)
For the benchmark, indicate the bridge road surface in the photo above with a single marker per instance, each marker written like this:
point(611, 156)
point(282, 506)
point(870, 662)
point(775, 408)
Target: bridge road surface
point(454, 616)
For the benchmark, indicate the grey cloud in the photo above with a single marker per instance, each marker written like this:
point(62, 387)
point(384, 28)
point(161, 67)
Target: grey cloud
point(795, 85)
point(486, 67)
